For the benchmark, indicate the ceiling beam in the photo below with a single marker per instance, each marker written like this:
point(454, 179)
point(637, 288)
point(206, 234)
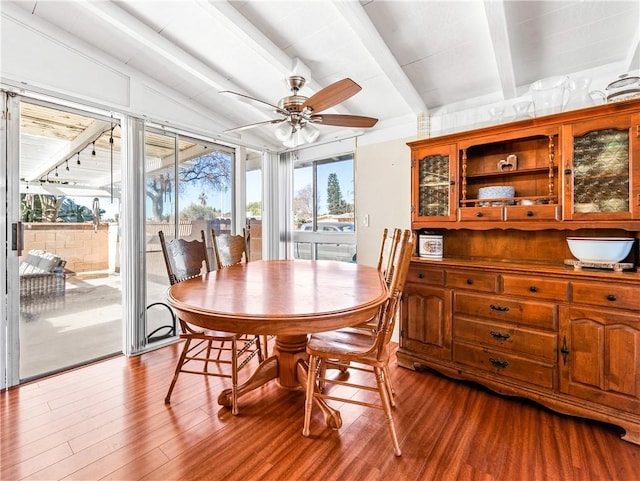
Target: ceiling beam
point(499, 33)
point(62, 37)
point(354, 14)
point(252, 37)
point(88, 135)
point(249, 35)
point(110, 13)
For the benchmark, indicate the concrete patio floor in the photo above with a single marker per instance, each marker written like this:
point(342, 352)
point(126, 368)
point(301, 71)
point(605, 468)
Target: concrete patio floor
point(83, 325)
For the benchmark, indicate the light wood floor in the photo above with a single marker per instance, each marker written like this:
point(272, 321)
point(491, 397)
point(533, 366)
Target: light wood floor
point(108, 421)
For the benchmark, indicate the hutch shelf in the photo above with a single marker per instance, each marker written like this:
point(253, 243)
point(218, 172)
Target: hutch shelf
point(505, 307)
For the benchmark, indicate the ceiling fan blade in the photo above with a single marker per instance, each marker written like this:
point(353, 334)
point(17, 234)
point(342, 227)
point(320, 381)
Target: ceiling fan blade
point(256, 124)
point(251, 100)
point(332, 95)
point(344, 120)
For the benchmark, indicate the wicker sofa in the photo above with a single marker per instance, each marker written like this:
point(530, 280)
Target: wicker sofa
point(42, 275)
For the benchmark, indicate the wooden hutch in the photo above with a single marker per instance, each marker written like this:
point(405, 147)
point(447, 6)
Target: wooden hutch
point(506, 306)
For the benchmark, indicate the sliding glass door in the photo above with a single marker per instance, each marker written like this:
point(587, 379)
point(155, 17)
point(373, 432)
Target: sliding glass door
point(188, 189)
point(64, 271)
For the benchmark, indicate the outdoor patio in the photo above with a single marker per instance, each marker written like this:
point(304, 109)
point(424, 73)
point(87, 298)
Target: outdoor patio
point(82, 325)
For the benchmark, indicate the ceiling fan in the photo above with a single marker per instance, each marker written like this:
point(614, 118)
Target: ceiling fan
point(300, 113)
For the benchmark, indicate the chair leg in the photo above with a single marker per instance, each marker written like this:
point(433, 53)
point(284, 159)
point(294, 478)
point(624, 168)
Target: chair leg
point(390, 390)
point(386, 404)
point(206, 363)
point(183, 355)
point(322, 374)
point(265, 347)
point(261, 344)
point(310, 389)
point(234, 378)
point(220, 347)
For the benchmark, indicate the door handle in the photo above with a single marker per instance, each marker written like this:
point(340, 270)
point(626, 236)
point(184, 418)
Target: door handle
point(17, 237)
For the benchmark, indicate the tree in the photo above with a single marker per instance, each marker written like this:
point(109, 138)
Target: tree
point(335, 203)
point(303, 205)
point(195, 212)
point(159, 190)
point(49, 208)
point(255, 208)
point(208, 171)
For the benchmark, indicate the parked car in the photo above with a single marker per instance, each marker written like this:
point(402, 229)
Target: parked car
point(329, 227)
point(333, 240)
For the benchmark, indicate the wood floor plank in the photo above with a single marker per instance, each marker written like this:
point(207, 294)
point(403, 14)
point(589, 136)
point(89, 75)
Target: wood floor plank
point(108, 421)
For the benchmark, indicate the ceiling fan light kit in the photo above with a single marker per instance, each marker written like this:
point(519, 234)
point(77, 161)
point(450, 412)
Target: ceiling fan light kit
point(299, 112)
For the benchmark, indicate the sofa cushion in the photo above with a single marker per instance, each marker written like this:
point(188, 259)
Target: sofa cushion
point(39, 262)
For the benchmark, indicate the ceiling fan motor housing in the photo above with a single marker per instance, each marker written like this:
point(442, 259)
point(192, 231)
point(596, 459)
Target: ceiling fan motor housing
point(292, 103)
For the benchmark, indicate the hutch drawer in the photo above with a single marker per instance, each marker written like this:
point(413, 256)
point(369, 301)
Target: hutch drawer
point(504, 364)
point(481, 213)
point(606, 295)
point(425, 275)
point(537, 212)
point(537, 314)
point(476, 280)
point(505, 336)
point(538, 288)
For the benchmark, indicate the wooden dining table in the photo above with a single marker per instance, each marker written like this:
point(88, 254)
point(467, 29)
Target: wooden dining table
point(286, 298)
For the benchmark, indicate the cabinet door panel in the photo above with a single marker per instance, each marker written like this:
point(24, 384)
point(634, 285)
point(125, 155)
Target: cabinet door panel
point(600, 356)
point(426, 320)
point(433, 174)
point(602, 168)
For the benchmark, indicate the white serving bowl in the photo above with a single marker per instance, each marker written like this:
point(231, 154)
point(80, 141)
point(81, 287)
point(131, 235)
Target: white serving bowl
point(600, 249)
point(496, 192)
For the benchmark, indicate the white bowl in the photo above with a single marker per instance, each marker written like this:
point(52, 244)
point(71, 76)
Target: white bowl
point(600, 249)
point(496, 192)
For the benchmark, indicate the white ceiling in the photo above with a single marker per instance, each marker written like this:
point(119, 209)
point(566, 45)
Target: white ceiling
point(408, 56)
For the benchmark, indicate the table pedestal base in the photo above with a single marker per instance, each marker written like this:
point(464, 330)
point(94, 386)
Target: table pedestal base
point(288, 366)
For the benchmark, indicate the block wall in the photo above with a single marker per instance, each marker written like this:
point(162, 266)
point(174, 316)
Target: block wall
point(78, 244)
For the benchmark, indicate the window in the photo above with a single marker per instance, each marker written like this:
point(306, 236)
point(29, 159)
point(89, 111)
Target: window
point(196, 190)
point(323, 210)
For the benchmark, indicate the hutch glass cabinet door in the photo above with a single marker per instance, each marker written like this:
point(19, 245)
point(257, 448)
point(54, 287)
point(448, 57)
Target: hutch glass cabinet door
point(433, 177)
point(604, 155)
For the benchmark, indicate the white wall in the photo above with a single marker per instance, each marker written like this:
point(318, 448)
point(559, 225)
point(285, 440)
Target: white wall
point(383, 193)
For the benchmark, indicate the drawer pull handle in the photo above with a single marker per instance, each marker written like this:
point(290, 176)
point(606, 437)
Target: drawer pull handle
point(478, 214)
point(533, 289)
point(498, 363)
point(499, 336)
point(469, 281)
point(420, 275)
point(498, 308)
point(565, 350)
point(611, 297)
point(529, 213)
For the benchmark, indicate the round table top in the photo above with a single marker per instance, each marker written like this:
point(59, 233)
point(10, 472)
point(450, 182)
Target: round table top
point(281, 297)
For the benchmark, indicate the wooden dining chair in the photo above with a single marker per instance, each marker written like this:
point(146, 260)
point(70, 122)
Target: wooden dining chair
point(366, 351)
point(185, 260)
point(230, 250)
point(386, 258)
point(388, 248)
